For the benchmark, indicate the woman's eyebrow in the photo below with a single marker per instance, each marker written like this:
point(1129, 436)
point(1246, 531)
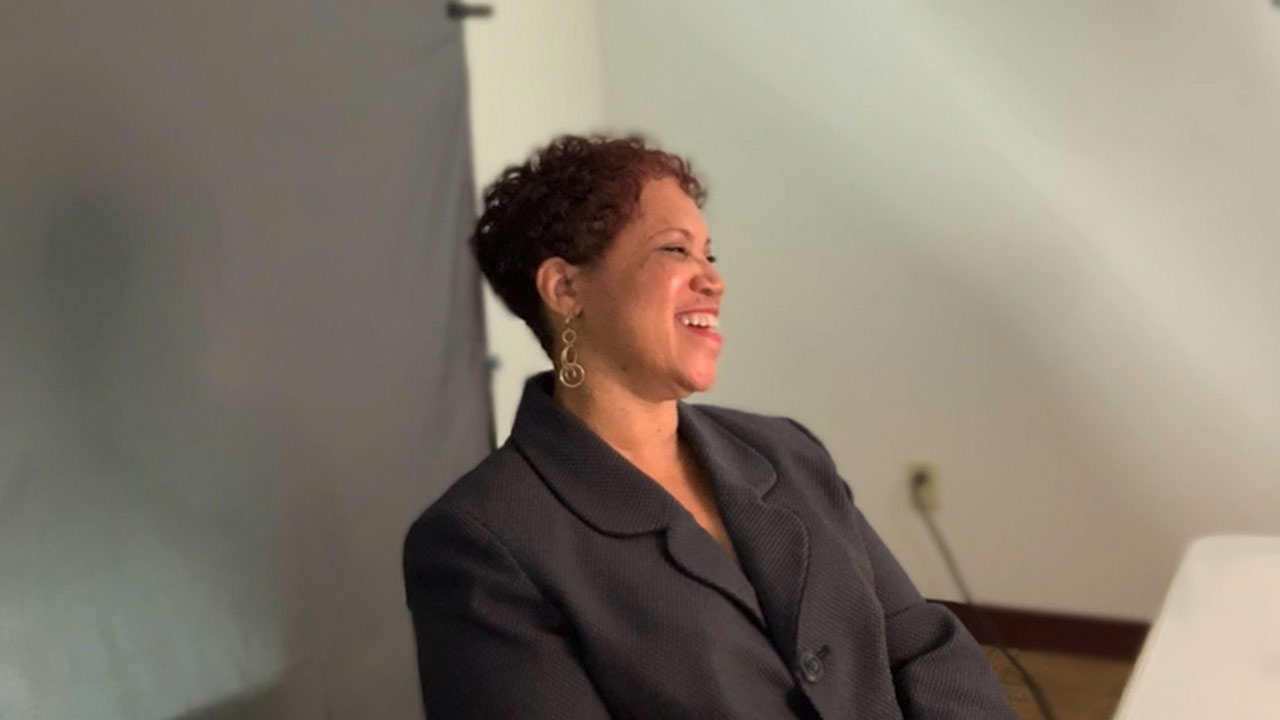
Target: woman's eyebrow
point(682, 231)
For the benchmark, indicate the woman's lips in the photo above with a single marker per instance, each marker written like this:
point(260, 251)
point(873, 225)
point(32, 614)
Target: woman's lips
point(704, 332)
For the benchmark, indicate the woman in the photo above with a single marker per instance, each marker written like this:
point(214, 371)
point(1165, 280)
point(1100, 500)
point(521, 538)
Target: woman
point(627, 555)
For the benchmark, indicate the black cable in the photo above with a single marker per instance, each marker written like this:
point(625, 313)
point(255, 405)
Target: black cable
point(991, 631)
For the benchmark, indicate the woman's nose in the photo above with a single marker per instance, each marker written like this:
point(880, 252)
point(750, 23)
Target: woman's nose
point(709, 281)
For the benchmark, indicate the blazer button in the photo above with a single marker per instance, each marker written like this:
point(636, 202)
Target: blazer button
point(811, 667)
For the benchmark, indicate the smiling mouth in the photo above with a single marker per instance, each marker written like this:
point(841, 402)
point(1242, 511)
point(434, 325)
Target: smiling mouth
point(705, 321)
point(702, 323)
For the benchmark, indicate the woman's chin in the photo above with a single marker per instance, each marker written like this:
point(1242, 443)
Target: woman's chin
point(699, 380)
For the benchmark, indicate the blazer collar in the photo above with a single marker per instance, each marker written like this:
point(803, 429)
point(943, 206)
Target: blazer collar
point(602, 486)
point(589, 476)
point(615, 497)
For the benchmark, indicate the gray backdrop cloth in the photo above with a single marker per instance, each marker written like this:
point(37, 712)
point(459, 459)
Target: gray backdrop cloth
point(241, 348)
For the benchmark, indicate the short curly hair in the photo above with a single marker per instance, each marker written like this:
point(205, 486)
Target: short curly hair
point(569, 200)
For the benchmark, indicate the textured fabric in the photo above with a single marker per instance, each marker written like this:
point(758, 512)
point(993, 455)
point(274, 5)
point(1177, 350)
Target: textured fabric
point(558, 581)
point(241, 348)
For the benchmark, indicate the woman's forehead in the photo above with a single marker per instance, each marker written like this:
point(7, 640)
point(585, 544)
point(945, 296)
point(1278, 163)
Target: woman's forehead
point(665, 206)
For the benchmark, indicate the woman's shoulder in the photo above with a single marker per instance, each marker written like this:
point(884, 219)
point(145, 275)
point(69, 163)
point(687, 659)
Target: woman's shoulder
point(498, 486)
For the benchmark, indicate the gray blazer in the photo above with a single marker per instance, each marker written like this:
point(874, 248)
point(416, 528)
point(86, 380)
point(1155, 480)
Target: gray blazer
point(555, 580)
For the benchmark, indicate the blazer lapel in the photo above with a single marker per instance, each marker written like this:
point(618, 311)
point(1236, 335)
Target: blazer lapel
point(772, 541)
point(615, 497)
point(699, 557)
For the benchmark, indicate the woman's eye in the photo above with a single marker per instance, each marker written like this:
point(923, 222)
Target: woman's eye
point(684, 251)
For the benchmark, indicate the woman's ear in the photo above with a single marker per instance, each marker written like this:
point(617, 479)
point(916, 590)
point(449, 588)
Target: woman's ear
point(559, 285)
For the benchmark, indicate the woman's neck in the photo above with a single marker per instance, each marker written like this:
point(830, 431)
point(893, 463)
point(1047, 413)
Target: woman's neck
point(643, 431)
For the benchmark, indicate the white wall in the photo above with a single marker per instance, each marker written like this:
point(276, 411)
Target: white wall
point(536, 71)
point(1031, 244)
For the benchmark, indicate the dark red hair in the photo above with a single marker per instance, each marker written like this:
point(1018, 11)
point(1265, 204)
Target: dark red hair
point(568, 200)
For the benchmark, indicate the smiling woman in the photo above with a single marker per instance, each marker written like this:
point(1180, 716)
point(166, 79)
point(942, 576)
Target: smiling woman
point(627, 554)
point(645, 308)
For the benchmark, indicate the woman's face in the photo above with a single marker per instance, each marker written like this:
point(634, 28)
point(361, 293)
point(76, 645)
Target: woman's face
point(651, 303)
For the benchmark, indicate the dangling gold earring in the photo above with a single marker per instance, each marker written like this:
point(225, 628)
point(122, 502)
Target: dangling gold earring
point(571, 373)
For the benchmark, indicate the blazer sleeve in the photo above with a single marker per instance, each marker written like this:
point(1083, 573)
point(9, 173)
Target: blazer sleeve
point(489, 644)
point(939, 670)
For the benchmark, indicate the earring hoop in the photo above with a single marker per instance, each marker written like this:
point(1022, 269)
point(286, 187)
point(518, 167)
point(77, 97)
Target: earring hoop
point(571, 374)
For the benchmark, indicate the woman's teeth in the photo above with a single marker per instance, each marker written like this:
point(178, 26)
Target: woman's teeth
point(702, 320)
